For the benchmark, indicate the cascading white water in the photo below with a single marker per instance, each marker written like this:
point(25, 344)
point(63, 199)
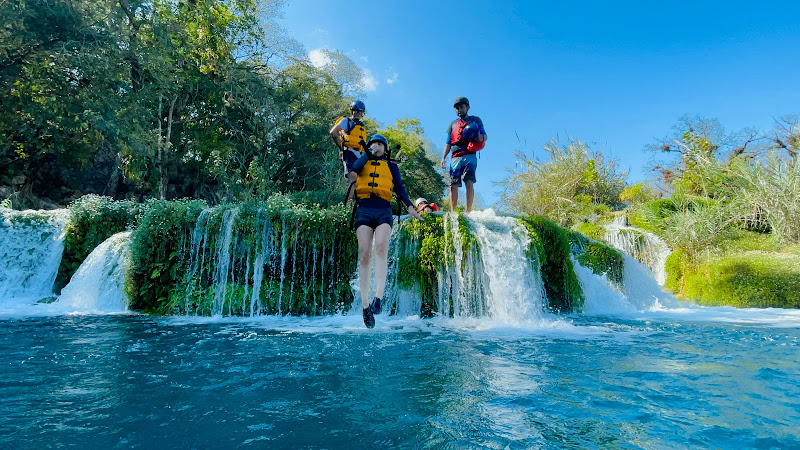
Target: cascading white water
point(98, 285)
point(31, 244)
point(514, 288)
point(223, 259)
point(642, 245)
point(641, 291)
point(492, 278)
point(601, 295)
point(252, 262)
point(463, 281)
point(486, 273)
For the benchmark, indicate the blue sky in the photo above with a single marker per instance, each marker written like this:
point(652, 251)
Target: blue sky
point(617, 75)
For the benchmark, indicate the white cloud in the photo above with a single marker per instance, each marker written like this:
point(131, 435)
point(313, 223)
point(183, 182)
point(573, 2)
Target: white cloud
point(393, 79)
point(368, 81)
point(318, 58)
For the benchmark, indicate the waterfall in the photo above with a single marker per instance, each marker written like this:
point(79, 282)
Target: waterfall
point(486, 271)
point(642, 245)
point(97, 286)
point(641, 289)
point(602, 296)
point(515, 288)
point(641, 292)
point(250, 261)
point(223, 261)
point(31, 244)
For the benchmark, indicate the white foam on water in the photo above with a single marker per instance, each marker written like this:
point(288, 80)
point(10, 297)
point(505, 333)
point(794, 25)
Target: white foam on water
point(98, 285)
point(477, 328)
point(766, 317)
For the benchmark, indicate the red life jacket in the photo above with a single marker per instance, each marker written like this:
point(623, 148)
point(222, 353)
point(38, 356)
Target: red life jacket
point(457, 138)
point(457, 135)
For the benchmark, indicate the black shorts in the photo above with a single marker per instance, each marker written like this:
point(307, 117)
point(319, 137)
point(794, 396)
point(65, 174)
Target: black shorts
point(372, 217)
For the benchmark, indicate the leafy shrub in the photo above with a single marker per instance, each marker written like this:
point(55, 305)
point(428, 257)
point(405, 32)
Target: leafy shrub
point(572, 186)
point(650, 216)
point(92, 219)
point(157, 263)
point(637, 194)
point(674, 266)
point(591, 230)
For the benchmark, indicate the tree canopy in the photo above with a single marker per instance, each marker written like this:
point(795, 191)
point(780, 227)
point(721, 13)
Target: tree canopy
point(204, 99)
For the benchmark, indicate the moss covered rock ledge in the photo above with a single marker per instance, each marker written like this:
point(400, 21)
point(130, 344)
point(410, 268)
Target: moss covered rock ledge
point(280, 257)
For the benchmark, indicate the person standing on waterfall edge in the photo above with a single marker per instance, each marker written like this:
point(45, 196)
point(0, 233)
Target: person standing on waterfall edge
point(378, 178)
point(465, 136)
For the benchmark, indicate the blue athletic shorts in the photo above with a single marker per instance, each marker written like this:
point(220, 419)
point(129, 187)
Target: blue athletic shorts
point(372, 217)
point(462, 168)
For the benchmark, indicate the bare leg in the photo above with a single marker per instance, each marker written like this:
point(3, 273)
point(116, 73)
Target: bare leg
point(382, 234)
point(364, 235)
point(470, 194)
point(453, 197)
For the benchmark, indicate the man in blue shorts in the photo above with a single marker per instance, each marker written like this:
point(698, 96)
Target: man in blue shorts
point(465, 136)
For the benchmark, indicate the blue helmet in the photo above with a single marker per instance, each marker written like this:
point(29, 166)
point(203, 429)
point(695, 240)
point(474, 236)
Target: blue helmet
point(378, 138)
point(470, 132)
point(357, 105)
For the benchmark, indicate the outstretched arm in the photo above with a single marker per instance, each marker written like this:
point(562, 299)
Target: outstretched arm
point(401, 191)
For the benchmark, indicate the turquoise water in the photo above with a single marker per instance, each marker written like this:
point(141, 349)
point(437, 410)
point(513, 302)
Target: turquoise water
point(692, 378)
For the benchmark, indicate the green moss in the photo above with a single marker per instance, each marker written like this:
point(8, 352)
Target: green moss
point(536, 247)
point(424, 245)
point(92, 219)
point(674, 266)
point(743, 241)
point(750, 279)
point(593, 231)
point(603, 259)
point(564, 292)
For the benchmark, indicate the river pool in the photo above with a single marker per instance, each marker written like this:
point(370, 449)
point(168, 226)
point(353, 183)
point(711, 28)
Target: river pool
point(688, 377)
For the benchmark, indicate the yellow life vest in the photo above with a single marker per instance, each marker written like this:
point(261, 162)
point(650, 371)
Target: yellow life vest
point(375, 179)
point(352, 138)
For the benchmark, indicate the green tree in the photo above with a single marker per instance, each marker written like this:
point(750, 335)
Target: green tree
point(637, 194)
point(419, 160)
point(59, 76)
point(696, 150)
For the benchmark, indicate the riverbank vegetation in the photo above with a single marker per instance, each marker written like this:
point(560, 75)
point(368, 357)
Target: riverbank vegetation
point(725, 203)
